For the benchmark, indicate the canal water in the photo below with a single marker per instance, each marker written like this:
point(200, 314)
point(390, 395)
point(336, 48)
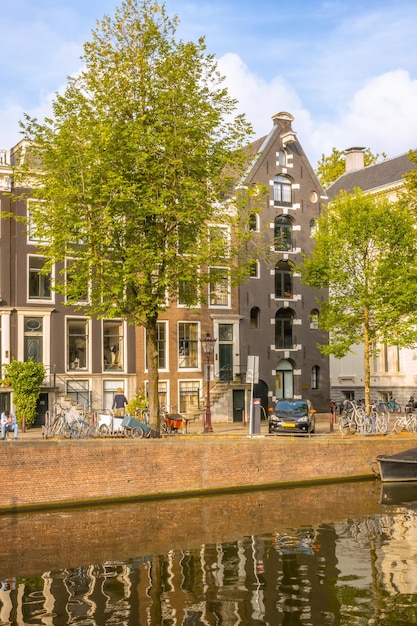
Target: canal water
point(331, 554)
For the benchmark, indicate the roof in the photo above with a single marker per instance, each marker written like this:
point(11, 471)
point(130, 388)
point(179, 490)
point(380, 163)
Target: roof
point(372, 177)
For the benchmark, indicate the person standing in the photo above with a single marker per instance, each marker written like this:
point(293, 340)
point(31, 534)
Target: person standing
point(119, 403)
point(8, 423)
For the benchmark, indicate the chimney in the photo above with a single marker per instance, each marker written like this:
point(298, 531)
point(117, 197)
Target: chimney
point(354, 158)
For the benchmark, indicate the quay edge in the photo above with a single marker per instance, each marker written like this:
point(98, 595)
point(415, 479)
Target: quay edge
point(62, 473)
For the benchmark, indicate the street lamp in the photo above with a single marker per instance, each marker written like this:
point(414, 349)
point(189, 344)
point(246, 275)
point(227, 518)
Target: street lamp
point(207, 345)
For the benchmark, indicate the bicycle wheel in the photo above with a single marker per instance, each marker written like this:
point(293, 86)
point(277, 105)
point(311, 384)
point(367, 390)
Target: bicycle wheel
point(103, 430)
point(80, 429)
point(399, 425)
point(381, 423)
point(367, 425)
point(136, 432)
point(344, 424)
point(66, 430)
point(55, 427)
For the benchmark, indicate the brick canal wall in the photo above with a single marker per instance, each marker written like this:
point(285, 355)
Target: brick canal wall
point(41, 473)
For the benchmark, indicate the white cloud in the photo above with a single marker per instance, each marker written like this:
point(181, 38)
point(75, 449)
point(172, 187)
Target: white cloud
point(380, 116)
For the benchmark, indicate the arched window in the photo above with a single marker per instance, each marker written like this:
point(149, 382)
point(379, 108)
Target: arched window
point(254, 222)
point(314, 319)
point(283, 329)
point(313, 227)
point(315, 371)
point(254, 269)
point(283, 233)
point(282, 157)
point(284, 380)
point(255, 314)
point(283, 280)
point(282, 191)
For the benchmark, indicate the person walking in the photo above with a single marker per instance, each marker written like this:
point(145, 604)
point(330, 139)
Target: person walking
point(119, 403)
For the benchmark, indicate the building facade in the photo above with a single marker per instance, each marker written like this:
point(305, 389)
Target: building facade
point(393, 370)
point(279, 315)
point(271, 317)
point(86, 359)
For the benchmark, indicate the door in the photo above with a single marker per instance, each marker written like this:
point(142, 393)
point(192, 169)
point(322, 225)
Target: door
point(284, 381)
point(239, 405)
point(225, 352)
point(41, 407)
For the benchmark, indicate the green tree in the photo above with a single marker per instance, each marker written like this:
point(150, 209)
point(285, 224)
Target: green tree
point(365, 255)
point(409, 197)
point(140, 148)
point(331, 167)
point(25, 378)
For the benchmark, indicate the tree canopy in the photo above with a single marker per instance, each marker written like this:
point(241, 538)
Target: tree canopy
point(365, 254)
point(331, 167)
point(130, 168)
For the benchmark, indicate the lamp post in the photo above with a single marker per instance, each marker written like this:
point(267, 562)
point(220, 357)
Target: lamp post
point(207, 345)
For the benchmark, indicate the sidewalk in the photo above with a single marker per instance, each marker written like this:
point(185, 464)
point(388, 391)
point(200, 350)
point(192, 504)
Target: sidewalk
point(233, 429)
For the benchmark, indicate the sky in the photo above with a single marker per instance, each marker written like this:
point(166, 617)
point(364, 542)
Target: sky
point(345, 69)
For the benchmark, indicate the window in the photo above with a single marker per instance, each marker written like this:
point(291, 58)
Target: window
point(282, 191)
point(76, 291)
point(113, 357)
point(282, 158)
point(314, 319)
point(77, 344)
point(187, 345)
point(33, 236)
point(254, 269)
point(219, 286)
point(161, 345)
point(39, 283)
point(254, 222)
point(163, 394)
point(283, 233)
point(283, 280)
point(315, 370)
point(189, 396)
point(187, 292)
point(110, 388)
point(219, 240)
point(283, 329)
point(313, 227)
point(33, 339)
point(79, 391)
point(254, 317)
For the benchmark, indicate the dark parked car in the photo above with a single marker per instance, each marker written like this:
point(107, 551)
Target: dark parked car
point(292, 416)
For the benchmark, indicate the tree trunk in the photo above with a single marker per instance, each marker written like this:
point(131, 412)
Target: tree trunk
point(366, 360)
point(152, 364)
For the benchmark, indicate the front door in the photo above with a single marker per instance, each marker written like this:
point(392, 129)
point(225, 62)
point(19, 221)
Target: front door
point(41, 407)
point(225, 352)
point(239, 405)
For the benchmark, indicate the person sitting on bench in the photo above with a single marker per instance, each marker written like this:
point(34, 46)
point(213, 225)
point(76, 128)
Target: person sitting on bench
point(8, 423)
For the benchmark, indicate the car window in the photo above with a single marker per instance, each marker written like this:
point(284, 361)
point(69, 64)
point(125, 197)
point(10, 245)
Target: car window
point(298, 406)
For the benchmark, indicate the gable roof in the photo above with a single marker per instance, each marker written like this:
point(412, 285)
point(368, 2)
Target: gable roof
point(369, 178)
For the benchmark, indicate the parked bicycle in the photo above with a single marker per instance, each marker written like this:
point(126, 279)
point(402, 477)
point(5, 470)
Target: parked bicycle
point(407, 422)
point(66, 424)
point(389, 405)
point(357, 418)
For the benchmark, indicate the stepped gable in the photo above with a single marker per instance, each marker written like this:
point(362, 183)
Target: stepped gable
point(369, 178)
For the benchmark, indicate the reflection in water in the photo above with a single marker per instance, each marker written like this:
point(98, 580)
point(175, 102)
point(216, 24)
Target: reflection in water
point(333, 554)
